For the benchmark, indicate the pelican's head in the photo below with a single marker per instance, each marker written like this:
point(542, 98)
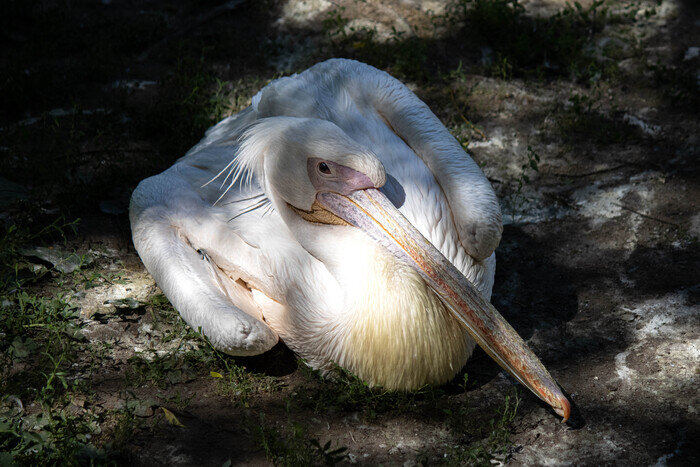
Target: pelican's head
point(318, 176)
point(302, 157)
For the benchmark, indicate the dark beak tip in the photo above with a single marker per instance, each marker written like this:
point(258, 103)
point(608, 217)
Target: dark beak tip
point(576, 420)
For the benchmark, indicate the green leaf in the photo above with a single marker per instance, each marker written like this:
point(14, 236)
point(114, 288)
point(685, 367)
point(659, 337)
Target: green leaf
point(21, 348)
point(171, 418)
point(6, 427)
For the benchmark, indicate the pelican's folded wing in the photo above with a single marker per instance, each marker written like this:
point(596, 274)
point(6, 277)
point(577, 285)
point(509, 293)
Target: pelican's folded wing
point(326, 89)
point(168, 221)
point(473, 203)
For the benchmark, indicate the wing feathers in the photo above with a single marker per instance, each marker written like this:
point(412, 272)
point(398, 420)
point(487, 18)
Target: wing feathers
point(339, 88)
point(190, 281)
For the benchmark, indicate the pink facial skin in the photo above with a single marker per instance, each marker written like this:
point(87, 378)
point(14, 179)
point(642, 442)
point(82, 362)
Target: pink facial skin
point(341, 179)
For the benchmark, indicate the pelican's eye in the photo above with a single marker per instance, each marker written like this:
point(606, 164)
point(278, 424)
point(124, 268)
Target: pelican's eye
point(323, 168)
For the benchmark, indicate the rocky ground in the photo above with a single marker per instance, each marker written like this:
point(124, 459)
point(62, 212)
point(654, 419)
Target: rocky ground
point(584, 119)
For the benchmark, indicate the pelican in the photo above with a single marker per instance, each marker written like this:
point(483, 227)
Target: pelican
point(335, 213)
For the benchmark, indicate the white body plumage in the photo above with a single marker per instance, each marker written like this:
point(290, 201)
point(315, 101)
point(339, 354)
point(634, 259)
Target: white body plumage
point(238, 263)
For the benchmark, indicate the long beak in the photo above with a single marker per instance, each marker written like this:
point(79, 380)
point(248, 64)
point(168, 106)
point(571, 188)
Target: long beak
point(372, 212)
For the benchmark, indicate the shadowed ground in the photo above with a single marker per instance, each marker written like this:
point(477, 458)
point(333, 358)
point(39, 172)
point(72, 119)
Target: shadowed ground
point(583, 117)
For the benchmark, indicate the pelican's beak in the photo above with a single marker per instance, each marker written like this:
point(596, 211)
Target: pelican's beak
point(372, 212)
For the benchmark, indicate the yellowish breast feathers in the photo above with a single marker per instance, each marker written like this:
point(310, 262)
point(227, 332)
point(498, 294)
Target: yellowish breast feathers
point(397, 332)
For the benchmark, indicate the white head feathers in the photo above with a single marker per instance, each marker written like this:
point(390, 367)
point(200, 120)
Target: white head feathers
point(275, 150)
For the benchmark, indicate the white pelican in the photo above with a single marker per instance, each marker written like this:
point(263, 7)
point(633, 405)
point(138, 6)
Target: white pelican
point(338, 214)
